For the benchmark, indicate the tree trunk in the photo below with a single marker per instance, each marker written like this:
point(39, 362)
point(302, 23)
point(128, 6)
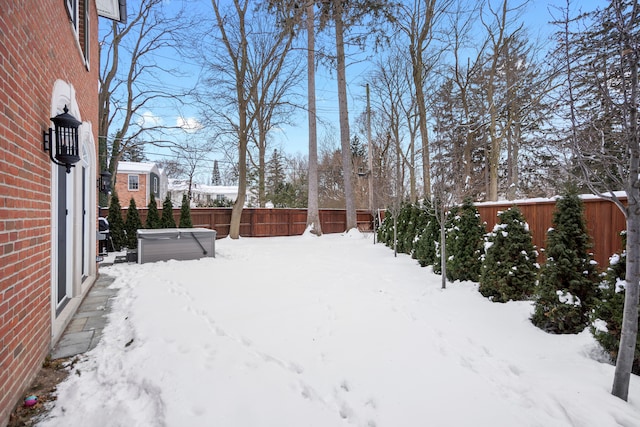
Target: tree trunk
point(418, 82)
point(345, 137)
point(626, 352)
point(443, 247)
point(495, 139)
point(262, 148)
point(236, 211)
point(313, 215)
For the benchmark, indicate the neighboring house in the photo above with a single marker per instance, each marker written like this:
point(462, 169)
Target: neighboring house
point(48, 217)
point(203, 195)
point(139, 180)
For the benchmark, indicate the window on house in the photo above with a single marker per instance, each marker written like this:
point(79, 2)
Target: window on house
point(78, 11)
point(86, 32)
point(155, 185)
point(72, 10)
point(134, 182)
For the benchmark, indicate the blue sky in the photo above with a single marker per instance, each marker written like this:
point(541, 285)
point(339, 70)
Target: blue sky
point(293, 139)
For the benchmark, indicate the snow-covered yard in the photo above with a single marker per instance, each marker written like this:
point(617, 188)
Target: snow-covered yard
point(330, 331)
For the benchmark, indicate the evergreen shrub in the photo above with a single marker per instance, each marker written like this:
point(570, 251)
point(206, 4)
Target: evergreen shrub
point(167, 221)
point(185, 213)
point(116, 223)
point(153, 216)
point(567, 286)
point(428, 240)
point(465, 243)
point(606, 326)
point(509, 267)
point(132, 225)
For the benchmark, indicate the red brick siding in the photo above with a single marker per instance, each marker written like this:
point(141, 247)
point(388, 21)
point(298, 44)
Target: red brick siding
point(124, 194)
point(37, 46)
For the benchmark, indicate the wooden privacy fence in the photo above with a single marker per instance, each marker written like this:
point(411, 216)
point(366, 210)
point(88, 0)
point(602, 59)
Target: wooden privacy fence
point(604, 223)
point(264, 222)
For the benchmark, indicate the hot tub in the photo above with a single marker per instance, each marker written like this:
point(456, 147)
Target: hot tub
point(175, 243)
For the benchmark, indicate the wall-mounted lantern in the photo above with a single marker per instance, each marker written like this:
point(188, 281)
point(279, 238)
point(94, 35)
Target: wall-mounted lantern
point(104, 182)
point(66, 152)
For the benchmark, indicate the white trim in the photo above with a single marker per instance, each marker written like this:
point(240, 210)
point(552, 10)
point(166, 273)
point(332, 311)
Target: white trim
point(132, 175)
point(73, 11)
point(64, 94)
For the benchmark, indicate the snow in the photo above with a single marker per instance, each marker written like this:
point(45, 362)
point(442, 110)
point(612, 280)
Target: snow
point(553, 199)
point(328, 331)
point(567, 298)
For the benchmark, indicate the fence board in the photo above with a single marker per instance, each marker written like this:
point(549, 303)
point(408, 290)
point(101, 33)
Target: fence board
point(264, 222)
point(604, 222)
point(603, 219)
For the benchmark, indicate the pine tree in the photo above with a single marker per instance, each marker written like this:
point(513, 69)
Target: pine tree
point(215, 175)
point(132, 225)
point(607, 314)
point(167, 221)
point(465, 244)
point(275, 175)
point(509, 268)
point(185, 213)
point(568, 280)
point(116, 223)
point(425, 248)
point(153, 217)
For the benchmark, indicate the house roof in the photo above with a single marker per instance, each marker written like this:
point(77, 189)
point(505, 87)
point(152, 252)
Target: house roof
point(183, 185)
point(139, 167)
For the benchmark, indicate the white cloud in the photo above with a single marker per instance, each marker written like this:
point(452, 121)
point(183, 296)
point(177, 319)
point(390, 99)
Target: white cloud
point(189, 124)
point(149, 120)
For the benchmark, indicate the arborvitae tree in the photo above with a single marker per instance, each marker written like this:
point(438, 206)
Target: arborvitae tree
point(418, 221)
point(407, 219)
point(153, 217)
point(450, 219)
point(426, 246)
point(607, 314)
point(185, 213)
point(167, 221)
point(116, 223)
point(385, 230)
point(465, 244)
point(509, 268)
point(568, 280)
point(132, 225)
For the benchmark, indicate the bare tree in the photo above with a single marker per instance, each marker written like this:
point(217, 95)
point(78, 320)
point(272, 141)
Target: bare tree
point(345, 16)
point(191, 155)
point(313, 215)
point(131, 80)
point(392, 88)
point(419, 22)
point(238, 79)
point(599, 62)
point(272, 102)
point(497, 23)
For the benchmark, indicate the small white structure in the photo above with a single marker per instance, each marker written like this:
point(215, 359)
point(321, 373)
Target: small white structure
point(203, 195)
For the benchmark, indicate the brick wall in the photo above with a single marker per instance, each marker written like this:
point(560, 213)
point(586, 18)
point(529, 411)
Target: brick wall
point(124, 194)
point(37, 46)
